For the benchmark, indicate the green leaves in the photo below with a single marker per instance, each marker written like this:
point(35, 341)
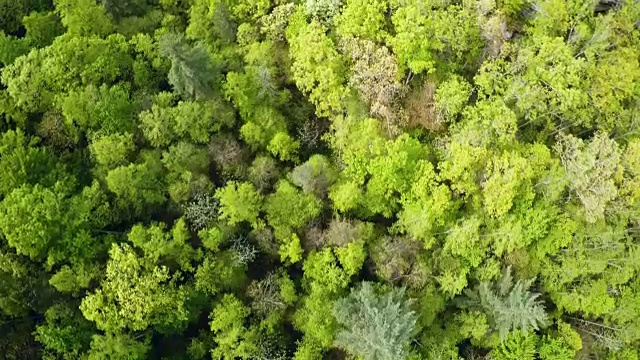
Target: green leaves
point(44, 223)
point(231, 336)
point(288, 209)
point(191, 72)
point(591, 170)
point(518, 345)
point(375, 326)
point(362, 18)
point(136, 295)
point(317, 70)
point(255, 161)
point(138, 185)
point(99, 111)
point(508, 306)
point(84, 17)
point(240, 202)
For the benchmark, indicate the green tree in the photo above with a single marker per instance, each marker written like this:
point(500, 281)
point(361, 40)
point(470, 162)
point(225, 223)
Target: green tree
point(70, 62)
point(104, 110)
point(230, 334)
point(363, 18)
point(289, 209)
point(187, 171)
point(375, 326)
point(591, 169)
point(120, 346)
point(65, 332)
point(112, 151)
point(138, 185)
point(317, 70)
point(136, 295)
point(23, 162)
point(191, 73)
point(509, 306)
point(48, 224)
point(240, 202)
point(517, 345)
point(163, 247)
point(84, 17)
point(314, 176)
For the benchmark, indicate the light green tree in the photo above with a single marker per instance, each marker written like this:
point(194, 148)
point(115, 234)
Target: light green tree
point(136, 295)
point(375, 326)
point(240, 202)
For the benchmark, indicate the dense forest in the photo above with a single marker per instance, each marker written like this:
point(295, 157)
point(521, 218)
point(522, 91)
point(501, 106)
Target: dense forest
point(320, 179)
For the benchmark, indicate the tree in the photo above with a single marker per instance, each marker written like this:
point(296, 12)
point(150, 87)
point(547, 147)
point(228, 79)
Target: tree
point(363, 18)
point(508, 306)
point(200, 211)
point(551, 348)
point(195, 121)
point(284, 147)
point(451, 97)
point(219, 272)
point(263, 172)
point(12, 12)
point(84, 17)
point(397, 260)
point(240, 202)
point(288, 209)
point(375, 326)
point(274, 25)
point(232, 337)
point(375, 75)
point(318, 72)
point(42, 28)
point(119, 346)
point(65, 332)
point(591, 169)
point(136, 295)
point(187, 170)
point(191, 72)
point(99, 111)
point(139, 185)
point(421, 36)
point(44, 223)
point(69, 62)
point(23, 162)
point(124, 8)
point(518, 345)
point(213, 26)
point(112, 151)
point(272, 294)
point(426, 206)
point(163, 247)
point(323, 10)
point(26, 286)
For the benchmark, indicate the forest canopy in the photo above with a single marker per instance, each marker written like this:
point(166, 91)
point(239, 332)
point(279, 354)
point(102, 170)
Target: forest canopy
point(320, 179)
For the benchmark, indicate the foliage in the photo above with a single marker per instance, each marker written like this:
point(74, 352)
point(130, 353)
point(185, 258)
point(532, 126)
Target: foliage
point(254, 161)
point(191, 73)
point(136, 295)
point(508, 306)
point(288, 209)
point(517, 345)
point(378, 326)
point(239, 202)
point(318, 72)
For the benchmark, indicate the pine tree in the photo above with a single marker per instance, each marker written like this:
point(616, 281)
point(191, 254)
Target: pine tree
point(191, 72)
point(508, 306)
point(375, 326)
